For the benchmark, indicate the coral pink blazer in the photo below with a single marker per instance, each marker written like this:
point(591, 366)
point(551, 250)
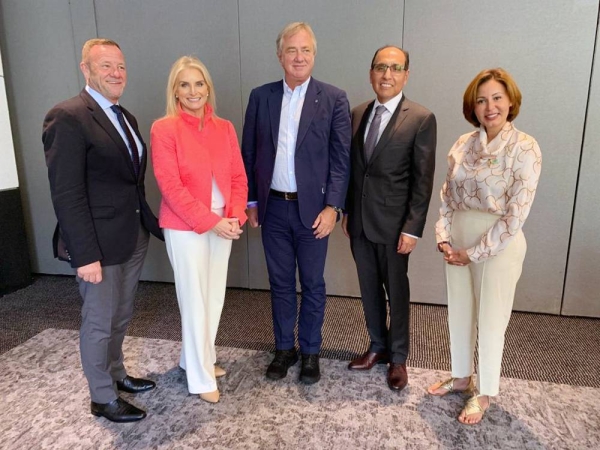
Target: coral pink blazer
point(185, 160)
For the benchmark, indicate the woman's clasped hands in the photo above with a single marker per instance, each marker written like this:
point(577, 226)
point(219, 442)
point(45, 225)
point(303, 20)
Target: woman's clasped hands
point(228, 228)
point(455, 256)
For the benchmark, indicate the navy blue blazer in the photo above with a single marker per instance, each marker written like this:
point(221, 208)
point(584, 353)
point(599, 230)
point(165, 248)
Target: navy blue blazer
point(322, 158)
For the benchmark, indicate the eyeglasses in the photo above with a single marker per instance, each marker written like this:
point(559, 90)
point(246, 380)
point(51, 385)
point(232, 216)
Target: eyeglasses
point(382, 68)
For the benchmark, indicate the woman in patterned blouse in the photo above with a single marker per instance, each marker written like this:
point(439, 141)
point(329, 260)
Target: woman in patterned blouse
point(491, 182)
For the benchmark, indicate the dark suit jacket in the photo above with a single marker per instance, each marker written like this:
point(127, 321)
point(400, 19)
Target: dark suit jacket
point(98, 200)
point(322, 158)
point(390, 194)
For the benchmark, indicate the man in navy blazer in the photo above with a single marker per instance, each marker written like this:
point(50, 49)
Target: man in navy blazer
point(96, 172)
point(296, 147)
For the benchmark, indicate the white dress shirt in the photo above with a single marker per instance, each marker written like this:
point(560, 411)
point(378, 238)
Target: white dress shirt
point(284, 174)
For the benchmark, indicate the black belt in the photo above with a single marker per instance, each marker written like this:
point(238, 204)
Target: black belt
point(284, 195)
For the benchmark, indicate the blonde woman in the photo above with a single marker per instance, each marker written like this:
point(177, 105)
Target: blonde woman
point(199, 170)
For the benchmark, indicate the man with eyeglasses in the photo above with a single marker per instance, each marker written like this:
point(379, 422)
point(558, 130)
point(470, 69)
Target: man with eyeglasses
point(391, 178)
point(96, 160)
point(296, 149)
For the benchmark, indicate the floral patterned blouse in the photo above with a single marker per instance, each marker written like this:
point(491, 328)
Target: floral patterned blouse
point(499, 177)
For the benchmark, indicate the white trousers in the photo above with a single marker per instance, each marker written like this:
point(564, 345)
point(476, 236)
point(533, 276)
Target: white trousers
point(480, 300)
point(199, 264)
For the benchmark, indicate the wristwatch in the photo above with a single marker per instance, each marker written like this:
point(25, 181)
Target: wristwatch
point(337, 209)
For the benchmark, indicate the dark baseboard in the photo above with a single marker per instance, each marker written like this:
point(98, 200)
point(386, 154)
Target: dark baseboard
point(15, 268)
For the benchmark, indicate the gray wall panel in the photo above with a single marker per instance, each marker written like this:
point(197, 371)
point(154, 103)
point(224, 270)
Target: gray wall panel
point(346, 41)
point(41, 70)
point(83, 24)
point(550, 59)
point(449, 42)
point(582, 297)
point(153, 34)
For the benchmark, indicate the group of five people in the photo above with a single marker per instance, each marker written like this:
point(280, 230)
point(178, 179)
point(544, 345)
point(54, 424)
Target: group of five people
point(305, 161)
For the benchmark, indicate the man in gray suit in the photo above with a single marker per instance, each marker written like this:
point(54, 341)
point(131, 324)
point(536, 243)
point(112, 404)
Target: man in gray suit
point(96, 161)
point(391, 178)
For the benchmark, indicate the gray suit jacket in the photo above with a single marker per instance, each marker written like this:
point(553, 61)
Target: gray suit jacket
point(390, 194)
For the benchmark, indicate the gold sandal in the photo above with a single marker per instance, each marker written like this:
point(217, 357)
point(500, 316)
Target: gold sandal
point(472, 407)
point(448, 386)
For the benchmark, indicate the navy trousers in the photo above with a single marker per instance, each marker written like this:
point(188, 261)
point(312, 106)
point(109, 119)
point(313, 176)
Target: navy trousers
point(288, 244)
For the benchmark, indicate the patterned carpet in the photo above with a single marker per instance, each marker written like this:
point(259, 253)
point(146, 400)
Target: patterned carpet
point(45, 405)
point(538, 347)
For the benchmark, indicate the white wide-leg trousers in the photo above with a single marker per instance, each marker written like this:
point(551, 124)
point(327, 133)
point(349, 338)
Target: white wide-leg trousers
point(480, 300)
point(199, 264)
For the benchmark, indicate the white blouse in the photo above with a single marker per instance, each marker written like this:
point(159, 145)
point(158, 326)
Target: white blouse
point(499, 177)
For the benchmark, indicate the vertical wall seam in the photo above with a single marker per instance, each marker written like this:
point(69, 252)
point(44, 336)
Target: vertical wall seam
point(240, 59)
point(247, 233)
point(585, 117)
point(95, 17)
point(77, 49)
point(403, 21)
point(73, 36)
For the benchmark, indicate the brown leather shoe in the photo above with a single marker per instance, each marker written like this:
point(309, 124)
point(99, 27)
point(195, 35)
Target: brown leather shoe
point(397, 378)
point(368, 360)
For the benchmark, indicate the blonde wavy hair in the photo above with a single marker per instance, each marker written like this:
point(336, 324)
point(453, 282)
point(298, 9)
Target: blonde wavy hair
point(187, 62)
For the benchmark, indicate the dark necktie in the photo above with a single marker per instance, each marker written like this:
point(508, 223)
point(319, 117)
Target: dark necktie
point(371, 140)
point(135, 156)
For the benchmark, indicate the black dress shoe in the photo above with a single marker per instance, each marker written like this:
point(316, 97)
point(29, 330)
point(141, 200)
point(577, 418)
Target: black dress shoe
point(135, 385)
point(284, 359)
point(310, 372)
point(118, 411)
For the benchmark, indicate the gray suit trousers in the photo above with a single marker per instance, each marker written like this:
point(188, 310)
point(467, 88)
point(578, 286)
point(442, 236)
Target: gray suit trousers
point(105, 314)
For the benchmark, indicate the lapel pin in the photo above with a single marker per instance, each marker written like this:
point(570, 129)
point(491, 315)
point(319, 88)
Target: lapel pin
point(317, 101)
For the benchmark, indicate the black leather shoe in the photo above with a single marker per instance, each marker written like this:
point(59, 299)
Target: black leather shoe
point(135, 385)
point(284, 359)
point(118, 411)
point(310, 372)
